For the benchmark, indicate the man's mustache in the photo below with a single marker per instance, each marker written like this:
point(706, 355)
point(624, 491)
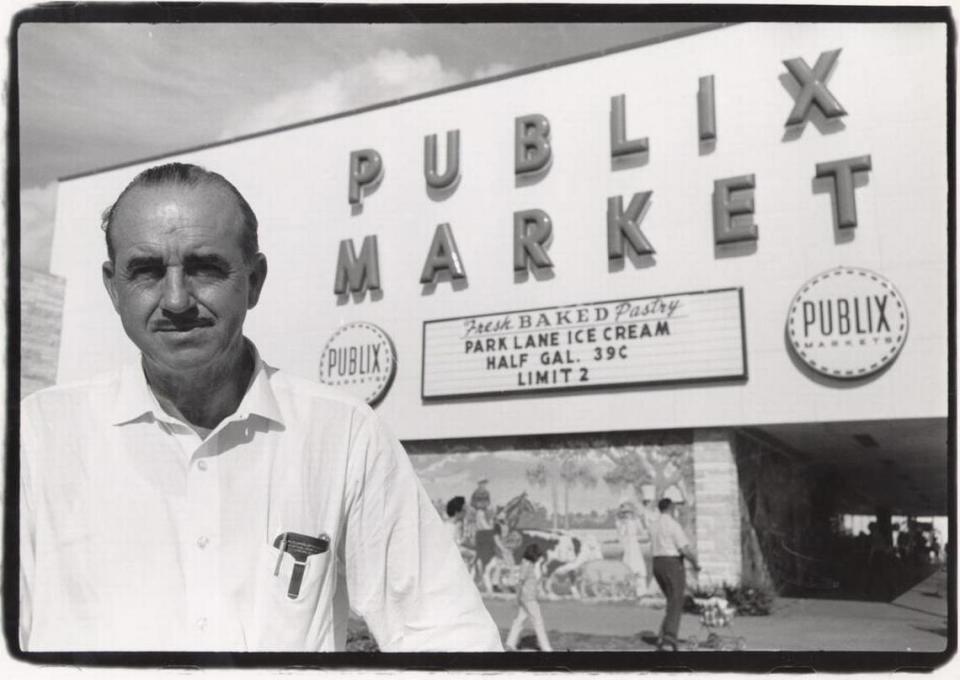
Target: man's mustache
point(180, 323)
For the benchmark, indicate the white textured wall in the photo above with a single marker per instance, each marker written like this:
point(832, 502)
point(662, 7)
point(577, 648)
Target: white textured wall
point(296, 181)
point(718, 542)
point(41, 303)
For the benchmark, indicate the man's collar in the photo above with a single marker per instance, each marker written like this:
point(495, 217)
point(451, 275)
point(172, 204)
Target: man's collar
point(259, 399)
point(135, 399)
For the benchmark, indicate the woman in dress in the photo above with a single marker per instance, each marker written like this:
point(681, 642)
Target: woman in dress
point(629, 528)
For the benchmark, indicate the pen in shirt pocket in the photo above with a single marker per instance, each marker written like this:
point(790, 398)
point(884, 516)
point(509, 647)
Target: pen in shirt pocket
point(300, 547)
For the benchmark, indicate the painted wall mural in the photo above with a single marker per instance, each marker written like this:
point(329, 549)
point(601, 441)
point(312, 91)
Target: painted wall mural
point(586, 500)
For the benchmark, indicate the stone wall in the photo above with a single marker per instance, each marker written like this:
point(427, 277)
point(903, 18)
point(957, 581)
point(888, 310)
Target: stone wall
point(41, 307)
point(718, 526)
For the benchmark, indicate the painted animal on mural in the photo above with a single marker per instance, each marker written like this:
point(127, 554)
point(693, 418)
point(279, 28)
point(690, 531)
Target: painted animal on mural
point(499, 549)
point(564, 552)
point(574, 563)
point(607, 579)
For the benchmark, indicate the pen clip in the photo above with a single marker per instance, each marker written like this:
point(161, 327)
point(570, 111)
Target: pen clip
point(283, 549)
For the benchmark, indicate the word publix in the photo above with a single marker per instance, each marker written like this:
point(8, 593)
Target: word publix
point(733, 197)
point(847, 322)
point(353, 360)
point(859, 316)
point(359, 358)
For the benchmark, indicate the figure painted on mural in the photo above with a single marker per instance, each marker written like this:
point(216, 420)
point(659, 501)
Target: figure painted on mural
point(498, 571)
point(480, 502)
point(480, 527)
point(629, 531)
point(528, 606)
point(498, 545)
point(456, 513)
point(454, 519)
point(670, 548)
point(200, 499)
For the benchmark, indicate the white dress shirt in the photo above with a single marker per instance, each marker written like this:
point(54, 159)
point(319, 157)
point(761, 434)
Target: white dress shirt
point(667, 537)
point(136, 534)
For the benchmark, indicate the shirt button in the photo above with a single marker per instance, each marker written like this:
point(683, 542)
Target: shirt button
point(202, 542)
point(202, 622)
point(202, 465)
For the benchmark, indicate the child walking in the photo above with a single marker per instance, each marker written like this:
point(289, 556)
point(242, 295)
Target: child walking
point(531, 569)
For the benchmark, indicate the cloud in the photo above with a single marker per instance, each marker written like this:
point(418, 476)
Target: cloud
point(491, 70)
point(38, 207)
point(389, 74)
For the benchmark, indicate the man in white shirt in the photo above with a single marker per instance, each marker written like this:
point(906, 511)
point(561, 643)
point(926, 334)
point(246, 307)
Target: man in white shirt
point(202, 500)
point(670, 546)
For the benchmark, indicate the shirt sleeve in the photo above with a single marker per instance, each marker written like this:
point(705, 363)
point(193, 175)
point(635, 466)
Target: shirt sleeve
point(404, 573)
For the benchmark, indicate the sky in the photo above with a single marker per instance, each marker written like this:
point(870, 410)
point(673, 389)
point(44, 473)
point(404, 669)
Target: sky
point(93, 95)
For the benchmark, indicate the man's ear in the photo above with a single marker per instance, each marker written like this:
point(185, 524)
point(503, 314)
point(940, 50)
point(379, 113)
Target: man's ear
point(110, 283)
point(257, 275)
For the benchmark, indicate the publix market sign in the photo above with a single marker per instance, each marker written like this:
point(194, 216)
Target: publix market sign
point(359, 358)
point(847, 323)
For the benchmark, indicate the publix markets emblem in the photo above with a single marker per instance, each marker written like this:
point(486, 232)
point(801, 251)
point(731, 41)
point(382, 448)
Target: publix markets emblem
point(359, 358)
point(847, 323)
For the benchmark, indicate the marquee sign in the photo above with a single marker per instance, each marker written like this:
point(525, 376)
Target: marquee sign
point(656, 339)
point(359, 358)
point(847, 323)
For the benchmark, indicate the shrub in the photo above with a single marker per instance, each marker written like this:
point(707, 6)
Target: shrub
point(746, 599)
point(749, 600)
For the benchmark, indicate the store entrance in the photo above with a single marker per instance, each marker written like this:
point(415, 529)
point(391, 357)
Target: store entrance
point(858, 510)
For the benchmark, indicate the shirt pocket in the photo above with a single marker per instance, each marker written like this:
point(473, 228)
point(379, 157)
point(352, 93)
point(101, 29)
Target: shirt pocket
point(281, 622)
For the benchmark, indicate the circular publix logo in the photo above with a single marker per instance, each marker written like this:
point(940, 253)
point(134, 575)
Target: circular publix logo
point(359, 358)
point(847, 323)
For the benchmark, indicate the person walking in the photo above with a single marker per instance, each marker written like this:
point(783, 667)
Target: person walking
point(528, 586)
point(670, 547)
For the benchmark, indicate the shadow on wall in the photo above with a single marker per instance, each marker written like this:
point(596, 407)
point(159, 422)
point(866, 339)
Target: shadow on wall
point(783, 536)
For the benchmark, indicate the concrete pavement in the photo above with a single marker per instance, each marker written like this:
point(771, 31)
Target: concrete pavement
point(915, 621)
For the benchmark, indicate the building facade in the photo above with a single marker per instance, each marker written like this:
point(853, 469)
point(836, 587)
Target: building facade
point(712, 267)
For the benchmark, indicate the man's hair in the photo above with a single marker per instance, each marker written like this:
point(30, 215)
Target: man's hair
point(186, 174)
point(665, 504)
point(455, 505)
